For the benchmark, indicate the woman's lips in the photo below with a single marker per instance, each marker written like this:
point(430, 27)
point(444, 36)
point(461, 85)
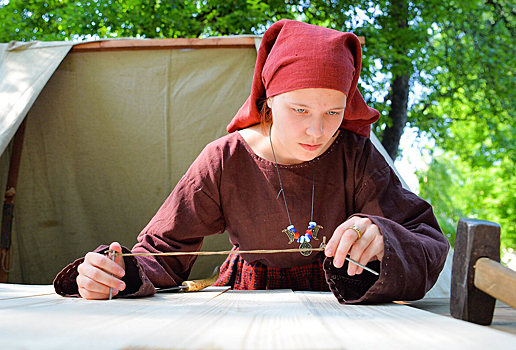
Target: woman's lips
point(309, 147)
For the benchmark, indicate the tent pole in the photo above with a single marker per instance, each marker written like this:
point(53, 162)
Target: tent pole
point(7, 217)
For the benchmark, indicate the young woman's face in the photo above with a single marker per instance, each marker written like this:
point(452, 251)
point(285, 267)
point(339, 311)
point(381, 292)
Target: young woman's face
point(304, 122)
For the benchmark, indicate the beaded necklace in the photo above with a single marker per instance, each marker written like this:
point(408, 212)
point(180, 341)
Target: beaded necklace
point(290, 231)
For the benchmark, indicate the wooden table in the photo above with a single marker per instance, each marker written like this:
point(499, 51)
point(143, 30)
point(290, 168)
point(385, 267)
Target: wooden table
point(504, 317)
point(33, 317)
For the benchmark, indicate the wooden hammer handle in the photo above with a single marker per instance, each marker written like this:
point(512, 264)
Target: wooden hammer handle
point(494, 279)
point(197, 285)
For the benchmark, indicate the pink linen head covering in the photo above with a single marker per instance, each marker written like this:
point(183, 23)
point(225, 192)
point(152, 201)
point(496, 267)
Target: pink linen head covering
point(295, 55)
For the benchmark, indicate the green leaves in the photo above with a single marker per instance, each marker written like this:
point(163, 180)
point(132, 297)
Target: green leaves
point(457, 190)
point(469, 109)
point(459, 55)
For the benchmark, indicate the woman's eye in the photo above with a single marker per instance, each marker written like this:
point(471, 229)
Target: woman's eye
point(333, 113)
point(300, 110)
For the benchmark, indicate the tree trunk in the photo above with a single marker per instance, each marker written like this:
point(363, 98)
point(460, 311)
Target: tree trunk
point(399, 88)
point(398, 114)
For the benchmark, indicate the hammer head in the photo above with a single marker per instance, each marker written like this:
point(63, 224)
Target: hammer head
point(475, 239)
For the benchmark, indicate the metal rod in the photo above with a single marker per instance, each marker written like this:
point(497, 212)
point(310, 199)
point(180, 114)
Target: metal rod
point(258, 251)
point(111, 288)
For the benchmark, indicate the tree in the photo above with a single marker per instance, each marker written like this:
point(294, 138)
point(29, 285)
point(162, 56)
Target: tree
point(469, 109)
point(68, 19)
point(395, 31)
point(409, 43)
point(458, 190)
point(397, 35)
point(470, 77)
point(445, 67)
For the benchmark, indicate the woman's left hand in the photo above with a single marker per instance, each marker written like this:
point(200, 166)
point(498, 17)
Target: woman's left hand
point(365, 248)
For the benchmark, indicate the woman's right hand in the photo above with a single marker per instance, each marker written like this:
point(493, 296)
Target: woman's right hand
point(98, 273)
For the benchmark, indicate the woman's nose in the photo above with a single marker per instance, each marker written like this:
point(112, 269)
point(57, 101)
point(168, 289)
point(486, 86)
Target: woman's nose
point(315, 128)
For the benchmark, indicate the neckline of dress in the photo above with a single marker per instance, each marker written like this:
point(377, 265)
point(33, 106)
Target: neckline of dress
point(287, 166)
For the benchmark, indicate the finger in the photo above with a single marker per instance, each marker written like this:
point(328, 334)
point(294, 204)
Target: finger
point(347, 239)
point(360, 246)
point(371, 232)
point(118, 259)
point(333, 243)
point(364, 259)
point(367, 256)
point(94, 279)
point(103, 263)
point(335, 239)
point(373, 250)
point(92, 286)
point(86, 294)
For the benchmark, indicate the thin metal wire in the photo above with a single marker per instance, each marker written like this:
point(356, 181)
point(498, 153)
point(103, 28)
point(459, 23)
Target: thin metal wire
point(226, 252)
point(111, 288)
point(257, 251)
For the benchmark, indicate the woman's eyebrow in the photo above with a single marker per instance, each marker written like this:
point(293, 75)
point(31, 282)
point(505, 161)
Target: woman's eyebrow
point(303, 105)
point(298, 104)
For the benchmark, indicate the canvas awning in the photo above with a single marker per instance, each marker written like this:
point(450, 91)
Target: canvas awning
point(25, 69)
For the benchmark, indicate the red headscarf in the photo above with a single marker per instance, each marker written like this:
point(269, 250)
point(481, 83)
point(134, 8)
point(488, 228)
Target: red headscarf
point(295, 55)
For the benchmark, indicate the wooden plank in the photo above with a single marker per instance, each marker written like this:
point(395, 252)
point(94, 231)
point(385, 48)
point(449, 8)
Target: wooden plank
point(258, 320)
point(170, 44)
point(15, 291)
point(11, 295)
point(165, 44)
point(504, 318)
point(233, 320)
point(394, 326)
point(90, 324)
point(189, 320)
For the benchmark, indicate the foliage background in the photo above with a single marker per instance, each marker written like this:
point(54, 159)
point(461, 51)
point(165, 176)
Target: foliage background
point(443, 67)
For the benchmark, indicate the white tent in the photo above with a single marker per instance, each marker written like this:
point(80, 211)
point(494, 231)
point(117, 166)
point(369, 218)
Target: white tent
point(111, 127)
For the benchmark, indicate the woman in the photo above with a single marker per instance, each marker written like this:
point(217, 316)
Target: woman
point(296, 166)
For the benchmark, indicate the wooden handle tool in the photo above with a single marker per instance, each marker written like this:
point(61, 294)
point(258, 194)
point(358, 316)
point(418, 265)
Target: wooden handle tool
point(197, 285)
point(494, 279)
point(192, 286)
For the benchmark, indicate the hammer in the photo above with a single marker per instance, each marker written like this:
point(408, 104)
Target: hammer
point(478, 278)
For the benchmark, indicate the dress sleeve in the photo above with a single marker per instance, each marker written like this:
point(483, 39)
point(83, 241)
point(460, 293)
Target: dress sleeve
point(137, 284)
point(191, 212)
point(415, 249)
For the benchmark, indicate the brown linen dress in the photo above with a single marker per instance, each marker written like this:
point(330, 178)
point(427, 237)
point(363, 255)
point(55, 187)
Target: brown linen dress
point(230, 188)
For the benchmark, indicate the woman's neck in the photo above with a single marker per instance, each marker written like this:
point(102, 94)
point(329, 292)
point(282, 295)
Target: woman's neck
point(257, 138)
